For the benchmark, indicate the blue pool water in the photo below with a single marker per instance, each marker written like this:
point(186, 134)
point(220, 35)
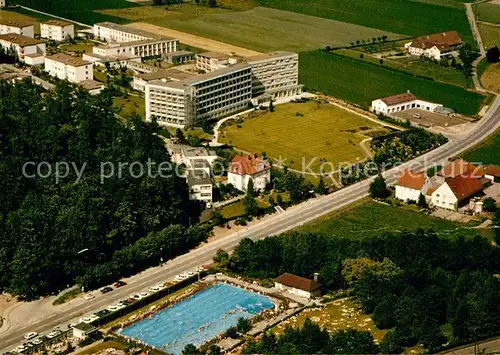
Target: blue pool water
point(198, 319)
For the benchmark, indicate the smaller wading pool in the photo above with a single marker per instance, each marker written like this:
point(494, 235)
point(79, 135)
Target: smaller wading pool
point(197, 319)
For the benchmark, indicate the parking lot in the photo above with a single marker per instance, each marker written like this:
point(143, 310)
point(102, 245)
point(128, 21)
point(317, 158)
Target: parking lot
point(430, 119)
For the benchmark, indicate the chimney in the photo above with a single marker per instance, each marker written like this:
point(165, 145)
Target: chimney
point(316, 276)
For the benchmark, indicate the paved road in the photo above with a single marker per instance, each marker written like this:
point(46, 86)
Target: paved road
point(293, 217)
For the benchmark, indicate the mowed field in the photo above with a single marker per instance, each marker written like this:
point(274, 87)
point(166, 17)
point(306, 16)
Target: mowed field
point(487, 152)
point(408, 17)
point(490, 79)
point(361, 82)
point(79, 10)
point(260, 29)
point(366, 218)
point(490, 35)
point(324, 132)
point(488, 12)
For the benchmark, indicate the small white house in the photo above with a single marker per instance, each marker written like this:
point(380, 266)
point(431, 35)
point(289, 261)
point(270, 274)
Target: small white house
point(453, 192)
point(298, 286)
point(92, 86)
point(24, 28)
point(411, 184)
point(200, 185)
point(246, 168)
point(83, 330)
point(402, 102)
point(69, 68)
point(3, 3)
point(57, 30)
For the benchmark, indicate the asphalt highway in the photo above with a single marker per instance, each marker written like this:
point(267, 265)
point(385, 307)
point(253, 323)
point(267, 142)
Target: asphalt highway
point(293, 217)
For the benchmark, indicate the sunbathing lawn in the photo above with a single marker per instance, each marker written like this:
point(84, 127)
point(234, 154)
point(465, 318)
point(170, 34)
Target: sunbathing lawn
point(324, 132)
point(130, 106)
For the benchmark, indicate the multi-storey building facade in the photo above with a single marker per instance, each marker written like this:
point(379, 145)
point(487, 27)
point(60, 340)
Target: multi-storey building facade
point(211, 61)
point(69, 68)
point(142, 48)
point(112, 32)
point(206, 97)
point(275, 74)
point(57, 30)
point(23, 28)
point(30, 50)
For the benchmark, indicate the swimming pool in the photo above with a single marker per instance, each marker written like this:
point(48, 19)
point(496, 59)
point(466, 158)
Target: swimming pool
point(198, 319)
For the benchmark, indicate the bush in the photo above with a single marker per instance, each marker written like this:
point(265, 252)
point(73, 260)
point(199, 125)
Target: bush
point(489, 204)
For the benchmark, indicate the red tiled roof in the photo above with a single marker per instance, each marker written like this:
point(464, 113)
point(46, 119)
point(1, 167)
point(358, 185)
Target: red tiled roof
point(493, 170)
point(398, 99)
point(248, 165)
point(456, 168)
point(442, 40)
point(464, 187)
point(298, 282)
point(412, 180)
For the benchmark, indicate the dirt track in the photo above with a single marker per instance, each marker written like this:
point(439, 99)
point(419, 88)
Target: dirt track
point(193, 40)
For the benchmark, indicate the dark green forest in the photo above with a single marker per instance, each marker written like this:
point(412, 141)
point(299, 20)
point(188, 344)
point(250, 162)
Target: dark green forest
point(414, 283)
point(54, 233)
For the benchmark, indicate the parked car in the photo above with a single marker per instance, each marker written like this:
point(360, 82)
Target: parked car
point(86, 320)
point(119, 284)
point(20, 349)
point(89, 296)
point(30, 335)
point(37, 341)
point(132, 300)
point(53, 333)
point(28, 344)
point(106, 289)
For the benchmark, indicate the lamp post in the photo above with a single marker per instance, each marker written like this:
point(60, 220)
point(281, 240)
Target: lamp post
point(161, 256)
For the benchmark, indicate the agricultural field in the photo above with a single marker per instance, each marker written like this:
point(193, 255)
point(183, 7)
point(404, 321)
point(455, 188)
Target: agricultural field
point(414, 66)
point(365, 218)
point(260, 29)
point(361, 82)
point(310, 131)
point(490, 35)
point(490, 78)
point(488, 12)
point(16, 16)
point(407, 17)
point(486, 152)
point(81, 11)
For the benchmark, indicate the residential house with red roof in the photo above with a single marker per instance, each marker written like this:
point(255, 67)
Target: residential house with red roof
point(411, 184)
point(297, 285)
point(435, 46)
point(458, 190)
point(246, 168)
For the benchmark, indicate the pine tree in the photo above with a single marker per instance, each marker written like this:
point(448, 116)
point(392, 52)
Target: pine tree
point(378, 188)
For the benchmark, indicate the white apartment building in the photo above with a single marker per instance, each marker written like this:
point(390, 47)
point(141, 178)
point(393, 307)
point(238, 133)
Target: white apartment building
point(402, 102)
point(246, 168)
point(141, 48)
point(275, 74)
point(205, 97)
point(24, 28)
point(3, 3)
point(200, 185)
point(57, 30)
point(112, 32)
point(211, 61)
point(30, 50)
point(69, 68)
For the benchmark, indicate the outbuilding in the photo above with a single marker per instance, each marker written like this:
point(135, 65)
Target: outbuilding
point(298, 285)
point(83, 330)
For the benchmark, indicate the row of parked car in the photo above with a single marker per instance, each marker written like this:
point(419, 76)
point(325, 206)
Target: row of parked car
point(35, 340)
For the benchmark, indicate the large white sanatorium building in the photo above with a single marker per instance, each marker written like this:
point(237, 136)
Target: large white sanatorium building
point(211, 96)
point(57, 30)
point(69, 68)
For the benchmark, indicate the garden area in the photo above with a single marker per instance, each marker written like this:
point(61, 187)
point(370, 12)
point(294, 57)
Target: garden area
point(312, 131)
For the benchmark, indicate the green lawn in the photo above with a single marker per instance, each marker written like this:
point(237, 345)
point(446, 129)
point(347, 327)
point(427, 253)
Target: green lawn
point(85, 47)
point(323, 133)
point(130, 106)
point(366, 218)
point(490, 75)
point(488, 12)
point(361, 82)
point(445, 74)
point(259, 29)
point(408, 17)
point(78, 10)
point(490, 35)
point(487, 152)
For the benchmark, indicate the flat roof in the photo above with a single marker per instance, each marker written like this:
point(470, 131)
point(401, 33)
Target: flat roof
point(58, 23)
point(90, 84)
point(172, 74)
point(134, 43)
point(127, 29)
point(68, 60)
point(16, 23)
point(20, 39)
point(189, 151)
point(177, 53)
point(271, 55)
point(198, 177)
point(217, 73)
point(215, 55)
